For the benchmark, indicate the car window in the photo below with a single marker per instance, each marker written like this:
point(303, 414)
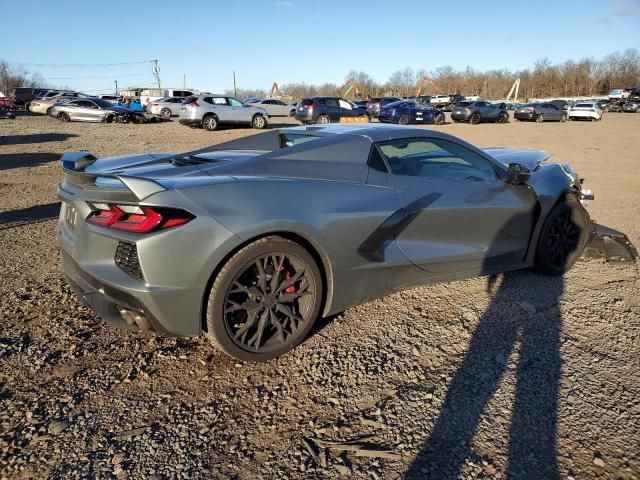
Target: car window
point(234, 102)
point(344, 104)
point(86, 104)
point(331, 102)
point(216, 100)
point(436, 158)
point(277, 102)
point(291, 139)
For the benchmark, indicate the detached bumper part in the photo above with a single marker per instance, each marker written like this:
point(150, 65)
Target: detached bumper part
point(609, 244)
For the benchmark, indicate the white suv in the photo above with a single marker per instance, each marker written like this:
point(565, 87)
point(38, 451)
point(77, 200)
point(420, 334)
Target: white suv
point(210, 110)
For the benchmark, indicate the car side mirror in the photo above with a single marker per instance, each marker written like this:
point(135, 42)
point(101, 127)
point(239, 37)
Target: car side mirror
point(518, 174)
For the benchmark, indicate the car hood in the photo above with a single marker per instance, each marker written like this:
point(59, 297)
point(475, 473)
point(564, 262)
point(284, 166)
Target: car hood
point(531, 158)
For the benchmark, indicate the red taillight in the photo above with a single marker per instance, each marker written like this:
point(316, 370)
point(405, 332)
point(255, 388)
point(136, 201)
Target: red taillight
point(310, 108)
point(135, 219)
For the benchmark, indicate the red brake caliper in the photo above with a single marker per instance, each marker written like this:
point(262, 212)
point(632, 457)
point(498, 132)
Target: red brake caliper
point(292, 288)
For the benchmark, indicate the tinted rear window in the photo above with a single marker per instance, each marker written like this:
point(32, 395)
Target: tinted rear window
point(463, 104)
point(291, 139)
point(305, 102)
point(584, 105)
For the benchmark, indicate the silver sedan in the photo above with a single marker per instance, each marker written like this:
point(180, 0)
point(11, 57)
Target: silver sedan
point(166, 107)
point(276, 108)
point(91, 110)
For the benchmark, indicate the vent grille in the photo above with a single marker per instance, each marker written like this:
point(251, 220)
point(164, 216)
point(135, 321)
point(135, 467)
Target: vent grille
point(126, 259)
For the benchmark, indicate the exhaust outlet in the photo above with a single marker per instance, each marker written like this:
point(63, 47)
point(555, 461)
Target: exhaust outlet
point(134, 318)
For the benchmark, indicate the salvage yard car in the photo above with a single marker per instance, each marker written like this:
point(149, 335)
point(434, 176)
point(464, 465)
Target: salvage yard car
point(405, 112)
point(479, 111)
point(540, 112)
point(210, 111)
point(275, 107)
point(166, 107)
point(253, 240)
point(325, 110)
point(93, 110)
point(585, 111)
point(631, 106)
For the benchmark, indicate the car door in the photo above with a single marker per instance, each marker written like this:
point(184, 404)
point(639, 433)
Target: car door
point(554, 112)
point(460, 216)
point(333, 109)
point(240, 113)
point(221, 108)
point(84, 110)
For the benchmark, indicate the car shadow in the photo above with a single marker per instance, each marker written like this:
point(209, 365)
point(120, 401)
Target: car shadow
point(509, 326)
point(35, 138)
point(19, 160)
point(27, 216)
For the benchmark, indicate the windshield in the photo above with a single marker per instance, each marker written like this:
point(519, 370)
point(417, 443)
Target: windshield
point(394, 104)
point(463, 104)
point(584, 105)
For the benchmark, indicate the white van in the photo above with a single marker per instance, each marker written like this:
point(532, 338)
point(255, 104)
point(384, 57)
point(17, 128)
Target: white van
point(150, 94)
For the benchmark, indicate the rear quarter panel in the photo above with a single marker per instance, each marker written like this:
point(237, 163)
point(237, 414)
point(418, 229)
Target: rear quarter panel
point(334, 217)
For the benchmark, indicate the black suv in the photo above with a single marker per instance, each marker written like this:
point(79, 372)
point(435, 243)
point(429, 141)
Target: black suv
point(22, 96)
point(327, 109)
point(374, 104)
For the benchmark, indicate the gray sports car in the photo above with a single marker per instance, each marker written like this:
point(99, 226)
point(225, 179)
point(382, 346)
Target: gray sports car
point(252, 240)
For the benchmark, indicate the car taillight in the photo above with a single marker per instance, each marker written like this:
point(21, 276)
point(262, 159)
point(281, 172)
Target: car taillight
point(136, 219)
point(310, 108)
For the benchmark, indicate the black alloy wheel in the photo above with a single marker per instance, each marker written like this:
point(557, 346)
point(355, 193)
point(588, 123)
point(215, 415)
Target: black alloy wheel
point(265, 300)
point(475, 119)
point(563, 238)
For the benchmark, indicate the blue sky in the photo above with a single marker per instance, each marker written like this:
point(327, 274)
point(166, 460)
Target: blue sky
point(314, 41)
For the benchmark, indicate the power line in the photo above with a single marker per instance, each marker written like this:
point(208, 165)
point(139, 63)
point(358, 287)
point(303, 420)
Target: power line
point(101, 76)
point(78, 65)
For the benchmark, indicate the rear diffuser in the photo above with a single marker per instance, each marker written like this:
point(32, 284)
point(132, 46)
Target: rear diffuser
point(609, 244)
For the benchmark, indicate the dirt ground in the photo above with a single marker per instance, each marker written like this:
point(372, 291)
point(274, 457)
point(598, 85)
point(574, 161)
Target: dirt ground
point(516, 376)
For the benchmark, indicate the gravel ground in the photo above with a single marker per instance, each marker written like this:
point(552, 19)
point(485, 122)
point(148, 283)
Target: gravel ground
point(513, 376)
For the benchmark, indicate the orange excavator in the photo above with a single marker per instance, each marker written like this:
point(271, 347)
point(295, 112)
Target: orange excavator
point(348, 86)
point(421, 83)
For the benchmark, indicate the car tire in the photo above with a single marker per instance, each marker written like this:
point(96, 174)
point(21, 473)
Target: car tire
point(49, 111)
point(502, 117)
point(562, 239)
point(475, 119)
point(323, 119)
point(109, 119)
point(563, 118)
point(403, 120)
point(165, 113)
point(246, 299)
point(210, 123)
point(540, 118)
point(292, 113)
point(439, 119)
point(63, 117)
point(26, 107)
point(258, 121)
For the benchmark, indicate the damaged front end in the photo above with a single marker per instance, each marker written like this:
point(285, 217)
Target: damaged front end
point(605, 242)
point(609, 244)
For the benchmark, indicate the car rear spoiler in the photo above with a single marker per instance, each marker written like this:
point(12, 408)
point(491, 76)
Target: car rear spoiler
point(74, 163)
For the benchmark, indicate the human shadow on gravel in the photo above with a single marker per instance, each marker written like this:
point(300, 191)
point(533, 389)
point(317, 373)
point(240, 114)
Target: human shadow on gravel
point(35, 138)
point(27, 216)
point(19, 160)
point(508, 326)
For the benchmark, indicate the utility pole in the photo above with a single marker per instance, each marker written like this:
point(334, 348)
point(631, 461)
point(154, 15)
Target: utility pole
point(184, 80)
point(116, 82)
point(235, 92)
point(156, 71)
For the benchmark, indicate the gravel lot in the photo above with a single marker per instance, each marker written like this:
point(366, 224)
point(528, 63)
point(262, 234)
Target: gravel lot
point(514, 376)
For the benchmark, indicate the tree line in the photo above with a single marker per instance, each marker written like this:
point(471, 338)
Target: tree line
point(573, 78)
point(585, 77)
